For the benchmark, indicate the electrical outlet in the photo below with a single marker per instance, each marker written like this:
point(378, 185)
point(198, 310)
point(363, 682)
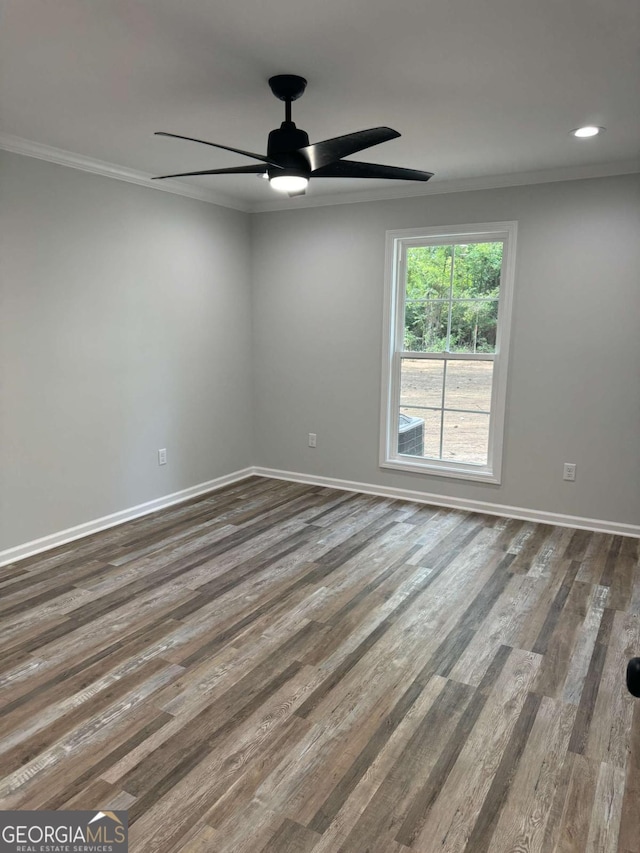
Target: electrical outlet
point(162, 456)
point(312, 439)
point(569, 471)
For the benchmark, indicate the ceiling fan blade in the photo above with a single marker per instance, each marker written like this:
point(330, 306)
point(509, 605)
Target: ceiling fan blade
point(355, 169)
point(235, 170)
point(224, 147)
point(329, 150)
point(297, 193)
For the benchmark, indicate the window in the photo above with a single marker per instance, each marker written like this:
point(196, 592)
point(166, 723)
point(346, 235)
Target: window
point(448, 313)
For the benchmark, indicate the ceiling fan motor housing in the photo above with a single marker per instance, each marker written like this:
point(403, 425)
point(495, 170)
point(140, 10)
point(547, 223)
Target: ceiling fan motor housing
point(283, 146)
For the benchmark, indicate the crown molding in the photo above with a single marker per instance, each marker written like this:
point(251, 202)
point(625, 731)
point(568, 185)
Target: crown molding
point(17, 145)
point(26, 147)
point(436, 187)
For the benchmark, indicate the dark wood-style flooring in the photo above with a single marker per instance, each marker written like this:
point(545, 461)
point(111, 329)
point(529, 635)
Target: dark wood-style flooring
point(284, 668)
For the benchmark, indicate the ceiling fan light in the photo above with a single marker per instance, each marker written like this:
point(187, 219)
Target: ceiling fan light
point(288, 183)
point(587, 131)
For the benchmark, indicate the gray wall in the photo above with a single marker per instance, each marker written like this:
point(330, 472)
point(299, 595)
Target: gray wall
point(574, 384)
point(128, 323)
point(124, 328)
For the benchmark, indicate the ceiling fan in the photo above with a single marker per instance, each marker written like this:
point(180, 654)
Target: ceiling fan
point(290, 160)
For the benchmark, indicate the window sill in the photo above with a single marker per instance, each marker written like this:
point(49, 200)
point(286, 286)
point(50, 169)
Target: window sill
point(480, 476)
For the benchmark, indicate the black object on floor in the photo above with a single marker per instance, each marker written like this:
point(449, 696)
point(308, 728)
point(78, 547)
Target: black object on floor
point(633, 676)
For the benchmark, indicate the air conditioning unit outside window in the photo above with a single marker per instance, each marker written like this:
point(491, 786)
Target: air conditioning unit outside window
point(411, 436)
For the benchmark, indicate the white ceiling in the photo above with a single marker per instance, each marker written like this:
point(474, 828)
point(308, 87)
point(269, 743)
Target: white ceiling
point(477, 88)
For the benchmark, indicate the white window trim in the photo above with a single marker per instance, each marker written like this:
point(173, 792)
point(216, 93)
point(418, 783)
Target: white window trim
point(393, 334)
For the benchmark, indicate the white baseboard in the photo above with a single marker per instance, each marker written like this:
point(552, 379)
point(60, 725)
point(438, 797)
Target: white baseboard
point(456, 503)
point(11, 555)
point(28, 549)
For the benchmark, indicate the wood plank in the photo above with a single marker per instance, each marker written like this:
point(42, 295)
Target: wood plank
point(437, 818)
point(584, 646)
point(578, 806)
point(560, 645)
point(604, 827)
point(610, 728)
point(83, 746)
point(164, 821)
point(352, 796)
point(591, 686)
point(493, 803)
point(523, 820)
point(291, 837)
point(204, 841)
point(630, 820)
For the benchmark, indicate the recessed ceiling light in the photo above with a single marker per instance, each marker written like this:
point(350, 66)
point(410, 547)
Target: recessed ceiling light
point(587, 131)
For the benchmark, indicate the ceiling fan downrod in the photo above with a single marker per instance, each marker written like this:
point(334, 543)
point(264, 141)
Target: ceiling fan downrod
point(287, 88)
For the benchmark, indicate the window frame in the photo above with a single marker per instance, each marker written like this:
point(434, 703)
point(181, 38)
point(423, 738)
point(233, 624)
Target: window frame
point(397, 243)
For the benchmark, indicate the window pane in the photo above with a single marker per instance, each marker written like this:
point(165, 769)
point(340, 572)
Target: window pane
point(429, 272)
point(476, 271)
point(468, 385)
point(419, 432)
point(473, 325)
point(425, 325)
point(421, 383)
point(465, 438)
